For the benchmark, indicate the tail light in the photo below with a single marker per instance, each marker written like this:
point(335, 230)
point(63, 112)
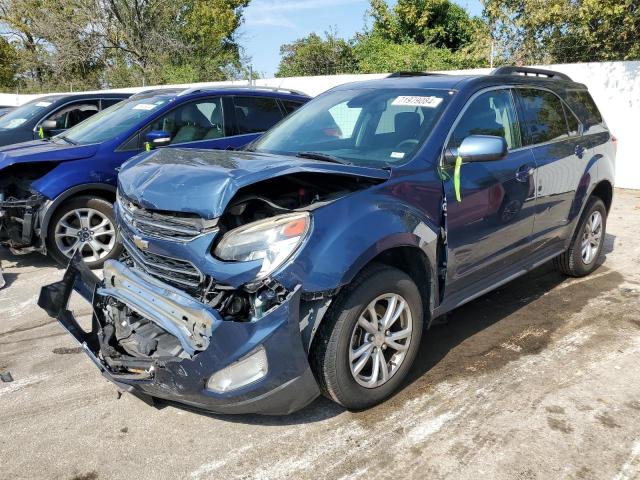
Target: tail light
point(614, 142)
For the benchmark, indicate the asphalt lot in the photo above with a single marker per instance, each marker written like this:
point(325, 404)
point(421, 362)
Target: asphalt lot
point(537, 380)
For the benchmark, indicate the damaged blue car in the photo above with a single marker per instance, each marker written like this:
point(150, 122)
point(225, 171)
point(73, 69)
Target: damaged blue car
point(311, 262)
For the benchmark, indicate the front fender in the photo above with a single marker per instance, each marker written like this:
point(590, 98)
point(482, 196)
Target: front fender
point(349, 233)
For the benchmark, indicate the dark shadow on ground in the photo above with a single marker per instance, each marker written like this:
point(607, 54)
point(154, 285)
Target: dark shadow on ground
point(515, 320)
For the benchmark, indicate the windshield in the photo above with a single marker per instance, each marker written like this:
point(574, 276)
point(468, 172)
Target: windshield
point(372, 127)
point(114, 120)
point(23, 114)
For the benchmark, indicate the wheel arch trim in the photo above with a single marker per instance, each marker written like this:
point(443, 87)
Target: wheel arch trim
point(51, 206)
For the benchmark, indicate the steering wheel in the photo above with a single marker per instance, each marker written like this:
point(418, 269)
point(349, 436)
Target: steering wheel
point(408, 144)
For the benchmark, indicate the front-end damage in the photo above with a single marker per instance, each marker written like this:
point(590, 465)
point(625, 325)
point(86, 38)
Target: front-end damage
point(20, 206)
point(187, 315)
point(154, 340)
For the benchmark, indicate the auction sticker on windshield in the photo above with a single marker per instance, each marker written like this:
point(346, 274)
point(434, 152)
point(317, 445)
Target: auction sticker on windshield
point(411, 101)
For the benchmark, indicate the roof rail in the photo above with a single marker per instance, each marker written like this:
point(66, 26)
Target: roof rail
point(241, 87)
point(413, 74)
point(531, 72)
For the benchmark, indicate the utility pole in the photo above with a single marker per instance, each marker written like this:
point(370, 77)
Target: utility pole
point(491, 55)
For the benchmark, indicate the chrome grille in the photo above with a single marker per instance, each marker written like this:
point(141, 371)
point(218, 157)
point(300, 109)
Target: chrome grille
point(163, 225)
point(179, 273)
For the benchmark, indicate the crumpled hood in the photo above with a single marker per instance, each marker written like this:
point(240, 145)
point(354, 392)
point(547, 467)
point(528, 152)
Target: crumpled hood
point(43, 151)
point(204, 181)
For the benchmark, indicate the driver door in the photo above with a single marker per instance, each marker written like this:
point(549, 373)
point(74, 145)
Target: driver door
point(489, 230)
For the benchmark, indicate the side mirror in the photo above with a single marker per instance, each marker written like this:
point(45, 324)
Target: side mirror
point(158, 138)
point(48, 125)
point(478, 148)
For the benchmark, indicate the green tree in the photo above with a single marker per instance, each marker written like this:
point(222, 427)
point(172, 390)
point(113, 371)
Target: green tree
point(313, 55)
point(530, 31)
point(413, 35)
point(99, 43)
point(8, 64)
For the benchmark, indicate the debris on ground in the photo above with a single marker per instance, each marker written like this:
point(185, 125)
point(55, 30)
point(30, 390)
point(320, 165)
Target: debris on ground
point(6, 377)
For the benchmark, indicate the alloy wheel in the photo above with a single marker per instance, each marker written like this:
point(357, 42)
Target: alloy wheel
point(380, 340)
point(592, 237)
point(85, 230)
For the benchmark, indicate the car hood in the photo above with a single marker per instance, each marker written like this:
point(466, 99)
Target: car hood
point(43, 151)
point(204, 181)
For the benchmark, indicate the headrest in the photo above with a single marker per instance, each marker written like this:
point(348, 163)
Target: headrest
point(407, 123)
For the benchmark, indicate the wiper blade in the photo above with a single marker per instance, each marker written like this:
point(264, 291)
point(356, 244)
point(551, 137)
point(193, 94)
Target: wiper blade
point(62, 137)
point(321, 156)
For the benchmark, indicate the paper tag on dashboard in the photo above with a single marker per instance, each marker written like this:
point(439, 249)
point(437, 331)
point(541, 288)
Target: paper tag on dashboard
point(144, 106)
point(397, 154)
point(411, 101)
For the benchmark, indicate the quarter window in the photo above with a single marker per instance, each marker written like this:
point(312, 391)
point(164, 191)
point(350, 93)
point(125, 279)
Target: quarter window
point(582, 103)
point(543, 116)
point(256, 114)
point(491, 113)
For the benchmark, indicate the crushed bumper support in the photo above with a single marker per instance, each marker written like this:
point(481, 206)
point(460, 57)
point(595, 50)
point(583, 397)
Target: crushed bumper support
point(288, 386)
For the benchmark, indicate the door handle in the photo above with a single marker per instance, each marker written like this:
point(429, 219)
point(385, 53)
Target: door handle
point(579, 151)
point(524, 172)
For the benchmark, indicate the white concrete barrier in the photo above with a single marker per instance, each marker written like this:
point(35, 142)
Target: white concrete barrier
point(615, 86)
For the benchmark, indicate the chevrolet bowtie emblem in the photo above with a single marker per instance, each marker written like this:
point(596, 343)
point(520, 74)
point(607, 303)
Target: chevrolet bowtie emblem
point(140, 243)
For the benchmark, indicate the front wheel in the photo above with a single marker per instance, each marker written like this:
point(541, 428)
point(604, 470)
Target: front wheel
point(581, 258)
point(368, 341)
point(85, 225)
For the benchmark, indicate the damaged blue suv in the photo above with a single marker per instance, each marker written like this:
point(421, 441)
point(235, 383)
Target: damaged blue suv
point(312, 262)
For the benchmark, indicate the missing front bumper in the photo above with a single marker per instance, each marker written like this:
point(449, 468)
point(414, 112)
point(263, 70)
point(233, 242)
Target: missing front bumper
point(288, 386)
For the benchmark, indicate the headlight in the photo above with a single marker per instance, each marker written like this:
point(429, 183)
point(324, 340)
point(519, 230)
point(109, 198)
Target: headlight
point(272, 240)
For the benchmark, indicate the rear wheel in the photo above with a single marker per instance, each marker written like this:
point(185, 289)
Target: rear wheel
point(581, 258)
point(367, 343)
point(85, 225)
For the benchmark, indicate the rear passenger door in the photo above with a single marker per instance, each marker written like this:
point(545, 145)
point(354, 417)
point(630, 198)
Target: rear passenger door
point(489, 229)
point(554, 136)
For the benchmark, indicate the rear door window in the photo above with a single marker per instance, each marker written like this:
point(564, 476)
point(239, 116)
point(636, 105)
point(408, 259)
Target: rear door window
point(544, 119)
point(291, 106)
point(491, 113)
point(256, 114)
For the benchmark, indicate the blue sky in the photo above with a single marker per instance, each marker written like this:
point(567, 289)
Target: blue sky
point(270, 23)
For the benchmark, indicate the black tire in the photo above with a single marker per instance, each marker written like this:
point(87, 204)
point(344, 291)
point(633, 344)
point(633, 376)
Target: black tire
point(103, 207)
point(571, 261)
point(329, 356)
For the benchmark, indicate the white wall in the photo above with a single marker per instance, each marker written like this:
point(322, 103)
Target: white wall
point(615, 86)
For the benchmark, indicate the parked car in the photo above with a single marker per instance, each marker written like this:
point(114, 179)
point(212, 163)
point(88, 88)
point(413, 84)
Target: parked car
point(312, 263)
point(47, 116)
point(56, 195)
point(4, 109)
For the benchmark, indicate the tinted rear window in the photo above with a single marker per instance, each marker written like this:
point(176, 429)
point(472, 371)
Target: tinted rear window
point(290, 106)
point(256, 114)
point(543, 116)
point(582, 103)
